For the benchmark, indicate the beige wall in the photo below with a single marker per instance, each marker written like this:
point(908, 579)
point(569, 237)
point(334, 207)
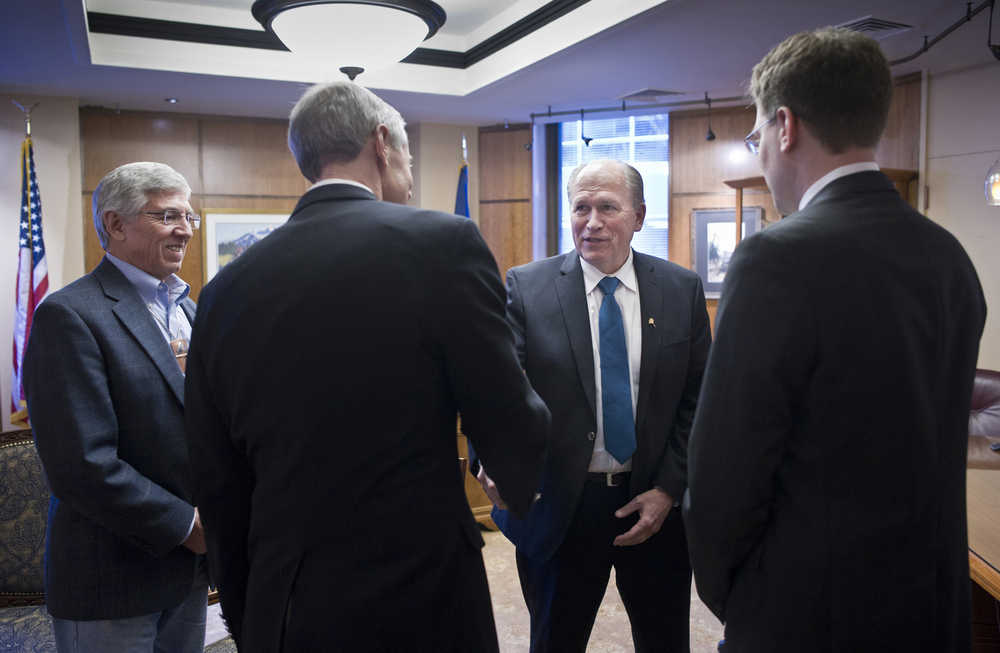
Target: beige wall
point(437, 155)
point(963, 141)
point(55, 133)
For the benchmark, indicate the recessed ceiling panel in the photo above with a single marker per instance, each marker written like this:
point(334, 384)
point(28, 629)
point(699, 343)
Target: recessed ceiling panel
point(486, 41)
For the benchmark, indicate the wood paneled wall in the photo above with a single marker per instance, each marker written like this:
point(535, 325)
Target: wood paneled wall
point(505, 194)
point(698, 167)
point(234, 163)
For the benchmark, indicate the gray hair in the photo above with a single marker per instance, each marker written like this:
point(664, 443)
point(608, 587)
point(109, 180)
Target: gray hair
point(126, 189)
point(332, 122)
point(633, 180)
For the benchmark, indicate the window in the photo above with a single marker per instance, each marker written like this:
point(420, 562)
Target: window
point(641, 141)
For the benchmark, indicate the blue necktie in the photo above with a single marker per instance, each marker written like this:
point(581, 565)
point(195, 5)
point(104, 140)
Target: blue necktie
point(616, 391)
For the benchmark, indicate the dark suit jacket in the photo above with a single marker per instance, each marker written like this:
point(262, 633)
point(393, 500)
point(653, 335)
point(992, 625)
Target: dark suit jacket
point(106, 400)
point(326, 370)
point(548, 311)
point(826, 509)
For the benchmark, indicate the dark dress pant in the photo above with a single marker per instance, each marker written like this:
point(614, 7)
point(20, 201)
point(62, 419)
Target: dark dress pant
point(564, 593)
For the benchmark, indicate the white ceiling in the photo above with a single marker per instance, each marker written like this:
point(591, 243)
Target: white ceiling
point(463, 15)
point(596, 53)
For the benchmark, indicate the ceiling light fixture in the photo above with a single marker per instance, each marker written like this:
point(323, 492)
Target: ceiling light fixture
point(993, 184)
point(709, 135)
point(351, 35)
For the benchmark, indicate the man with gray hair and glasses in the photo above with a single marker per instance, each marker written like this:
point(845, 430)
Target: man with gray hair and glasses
point(104, 379)
point(327, 367)
point(826, 496)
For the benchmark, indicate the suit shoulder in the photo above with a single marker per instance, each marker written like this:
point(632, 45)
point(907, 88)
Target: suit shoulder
point(663, 266)
point(541, 268)
point(418, 219)
point(81, 293)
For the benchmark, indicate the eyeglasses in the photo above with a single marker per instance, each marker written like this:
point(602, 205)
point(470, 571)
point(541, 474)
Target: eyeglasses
point(752, 140)
point(175, 218)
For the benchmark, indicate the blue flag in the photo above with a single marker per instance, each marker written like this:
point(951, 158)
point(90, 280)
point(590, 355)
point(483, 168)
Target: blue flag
point(462, 194)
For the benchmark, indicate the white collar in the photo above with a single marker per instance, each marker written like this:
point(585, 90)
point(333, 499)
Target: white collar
point(625, 274)
point(836, 173)
point(336, 180)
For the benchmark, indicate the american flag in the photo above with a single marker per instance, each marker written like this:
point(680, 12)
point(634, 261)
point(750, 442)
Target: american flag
point(32, 277)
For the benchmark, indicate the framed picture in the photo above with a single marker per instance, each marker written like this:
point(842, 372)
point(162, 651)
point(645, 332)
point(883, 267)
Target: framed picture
point(714, 239)
point(228, 233)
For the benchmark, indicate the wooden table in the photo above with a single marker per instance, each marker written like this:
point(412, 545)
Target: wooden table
point(984, 528)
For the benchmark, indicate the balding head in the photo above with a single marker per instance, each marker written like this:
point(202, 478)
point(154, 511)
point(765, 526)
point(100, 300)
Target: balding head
point(607, 209)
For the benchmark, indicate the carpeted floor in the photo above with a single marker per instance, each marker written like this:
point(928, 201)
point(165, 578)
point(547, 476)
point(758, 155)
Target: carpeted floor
point(611, 632)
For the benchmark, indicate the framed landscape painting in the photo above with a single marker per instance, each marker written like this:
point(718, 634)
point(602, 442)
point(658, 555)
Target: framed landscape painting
point(228, 233)
point(714, 240)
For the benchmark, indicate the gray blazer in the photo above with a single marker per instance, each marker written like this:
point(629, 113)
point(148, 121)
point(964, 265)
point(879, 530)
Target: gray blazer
point(106, 401)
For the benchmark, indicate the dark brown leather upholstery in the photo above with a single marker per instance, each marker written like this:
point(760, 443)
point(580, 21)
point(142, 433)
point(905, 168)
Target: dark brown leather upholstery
point(984, 420)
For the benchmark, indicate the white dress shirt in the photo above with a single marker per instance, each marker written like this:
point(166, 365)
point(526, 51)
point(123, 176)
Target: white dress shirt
point(627, 296)
point(335, 180)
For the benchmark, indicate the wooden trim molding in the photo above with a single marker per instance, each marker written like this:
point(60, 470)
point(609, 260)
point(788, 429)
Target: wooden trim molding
point(984, 574)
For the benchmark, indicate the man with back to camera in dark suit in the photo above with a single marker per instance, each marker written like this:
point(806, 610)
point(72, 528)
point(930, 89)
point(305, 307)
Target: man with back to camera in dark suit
point(104, 380)
point(326, 371)
point(826, 507)
point(614, 342)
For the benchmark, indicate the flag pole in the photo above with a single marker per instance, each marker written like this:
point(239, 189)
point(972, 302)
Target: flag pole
point(27, 116)
point(462, 193)
point(32, 270)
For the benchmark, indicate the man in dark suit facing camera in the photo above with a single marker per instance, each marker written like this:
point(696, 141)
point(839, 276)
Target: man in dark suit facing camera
point(326, 371)
point(615, 342)
point(826, 503)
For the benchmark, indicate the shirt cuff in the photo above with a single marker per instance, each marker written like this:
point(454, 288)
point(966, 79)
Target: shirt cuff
point(194, 516)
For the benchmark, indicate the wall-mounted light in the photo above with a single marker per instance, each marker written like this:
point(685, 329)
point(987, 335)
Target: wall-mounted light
point(355, 35)
point(993, 184)
point(170, 100)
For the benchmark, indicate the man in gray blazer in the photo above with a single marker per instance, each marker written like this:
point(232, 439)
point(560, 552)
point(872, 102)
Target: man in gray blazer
point(104, 382)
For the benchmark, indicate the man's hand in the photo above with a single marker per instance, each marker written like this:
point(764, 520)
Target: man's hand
point(653, 507)
point(490, 488)
point(196, 540)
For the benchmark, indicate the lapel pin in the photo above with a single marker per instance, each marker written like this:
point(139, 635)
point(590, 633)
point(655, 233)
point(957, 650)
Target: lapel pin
point(652, 323)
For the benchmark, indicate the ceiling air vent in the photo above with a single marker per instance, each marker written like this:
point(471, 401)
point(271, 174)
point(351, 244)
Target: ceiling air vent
point(647, 95)
point(877, 28)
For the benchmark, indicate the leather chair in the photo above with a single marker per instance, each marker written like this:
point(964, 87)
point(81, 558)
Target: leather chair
point(984, 421)
point(24, 504)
